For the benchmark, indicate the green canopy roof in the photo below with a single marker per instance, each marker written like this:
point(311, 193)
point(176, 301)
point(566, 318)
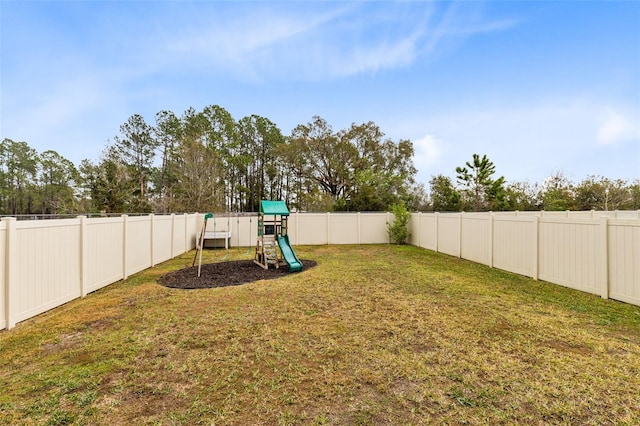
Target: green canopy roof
point(274, 207)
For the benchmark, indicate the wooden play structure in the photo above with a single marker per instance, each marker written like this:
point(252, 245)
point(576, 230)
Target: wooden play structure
point(272, 246)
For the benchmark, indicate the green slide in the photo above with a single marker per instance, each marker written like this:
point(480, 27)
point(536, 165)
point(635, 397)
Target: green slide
point(288, 254)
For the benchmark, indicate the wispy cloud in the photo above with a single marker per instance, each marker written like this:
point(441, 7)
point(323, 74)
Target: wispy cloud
point(452, 24)
point(616, 127)
point(428, 151)
point(326, 40)
point(262, 41)
point(242, 42)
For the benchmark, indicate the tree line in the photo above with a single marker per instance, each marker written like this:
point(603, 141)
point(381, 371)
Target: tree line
point(477, 189)
point(208, 161)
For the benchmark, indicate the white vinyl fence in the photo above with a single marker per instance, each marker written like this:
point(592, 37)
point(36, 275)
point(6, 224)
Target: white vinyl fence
point(46, 263)
point(595, 252)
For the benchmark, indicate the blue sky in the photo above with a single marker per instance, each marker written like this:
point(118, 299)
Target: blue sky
point(538, 86)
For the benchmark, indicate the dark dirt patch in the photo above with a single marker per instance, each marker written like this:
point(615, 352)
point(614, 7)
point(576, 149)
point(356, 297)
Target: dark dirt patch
point(224, 274)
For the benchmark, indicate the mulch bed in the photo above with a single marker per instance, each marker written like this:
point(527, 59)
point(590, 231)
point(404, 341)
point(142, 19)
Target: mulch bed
point(224, 274)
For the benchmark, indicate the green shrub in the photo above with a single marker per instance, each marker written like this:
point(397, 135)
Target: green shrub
point(399, 229)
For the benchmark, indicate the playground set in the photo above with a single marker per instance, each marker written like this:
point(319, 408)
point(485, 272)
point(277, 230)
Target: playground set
point(272, 246)
point(272, 229)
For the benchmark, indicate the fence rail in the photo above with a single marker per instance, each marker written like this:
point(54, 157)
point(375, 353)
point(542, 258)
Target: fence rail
point(46, 263)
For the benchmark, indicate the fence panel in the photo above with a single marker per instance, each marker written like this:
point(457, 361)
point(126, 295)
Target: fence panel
point(475, 241)
point(414, 229)
point(161, 238)
point(568, 253)
point(179, 240)
point(310, 228)
point(104, 261)
point(513, 244)
point(338, 228)
point(624, 260)
point(449, 233)
point(138, 244)
point(373, 228)
point(427, 231)
point(245, 231)
point(191, 230)
point(344, 228)
point(48, 265)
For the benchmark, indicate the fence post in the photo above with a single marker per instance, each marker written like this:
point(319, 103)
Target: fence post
point(491, 219)
point(187, 242)
point(11, 272)
point(173, 231)
point(359, 225)
point(328, 228)
point(604, 258)
point(536, 231)
point(84, 256)
point(460, 235)
point(436, 229)
point(125, 222)
point(151, 225)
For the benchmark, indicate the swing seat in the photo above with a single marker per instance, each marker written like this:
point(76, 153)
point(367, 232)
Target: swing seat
point(216, 235)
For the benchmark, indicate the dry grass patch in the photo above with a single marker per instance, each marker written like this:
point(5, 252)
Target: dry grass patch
point(372, 335)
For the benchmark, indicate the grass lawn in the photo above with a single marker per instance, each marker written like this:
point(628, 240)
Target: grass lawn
point(373, 335)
